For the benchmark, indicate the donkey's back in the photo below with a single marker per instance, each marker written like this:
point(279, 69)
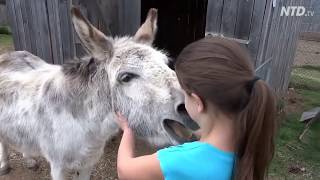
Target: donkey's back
point(20, 61)
point(23, 79)
point(23, 69)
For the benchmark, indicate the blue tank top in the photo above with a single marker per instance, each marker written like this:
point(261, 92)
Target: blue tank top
point(195, 161)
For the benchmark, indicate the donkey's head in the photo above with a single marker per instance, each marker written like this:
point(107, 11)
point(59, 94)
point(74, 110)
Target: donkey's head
point(142, 85)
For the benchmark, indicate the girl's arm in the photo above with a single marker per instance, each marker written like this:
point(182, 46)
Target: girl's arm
point(130, 167)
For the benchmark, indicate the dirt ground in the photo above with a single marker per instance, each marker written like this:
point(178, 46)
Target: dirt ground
point(294, 102)
point(308, 53)
point(105, 169)
point(5, 49)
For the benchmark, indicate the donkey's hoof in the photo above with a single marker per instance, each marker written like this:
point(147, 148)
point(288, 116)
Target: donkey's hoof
point(32, 165)
point(5, 170)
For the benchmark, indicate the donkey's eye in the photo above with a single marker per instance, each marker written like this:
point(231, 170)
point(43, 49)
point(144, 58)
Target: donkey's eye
point(127, 77)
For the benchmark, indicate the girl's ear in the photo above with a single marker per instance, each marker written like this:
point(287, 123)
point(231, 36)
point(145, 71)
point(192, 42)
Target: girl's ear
point(198, 101)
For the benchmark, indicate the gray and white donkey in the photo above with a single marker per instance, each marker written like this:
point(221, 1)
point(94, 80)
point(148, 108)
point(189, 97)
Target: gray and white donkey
point(67, 113)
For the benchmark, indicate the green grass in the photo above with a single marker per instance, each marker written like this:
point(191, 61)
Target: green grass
point(306, 77)
point(6, 43)
point(311, 98)
point(310, 67)
point(290, 151)
point(5, 40)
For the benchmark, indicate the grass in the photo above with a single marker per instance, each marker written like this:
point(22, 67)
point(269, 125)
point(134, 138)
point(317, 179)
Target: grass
point(310, 67)
point(6, 43)
point(290, 151)
point(5, 40)
point(306, 77)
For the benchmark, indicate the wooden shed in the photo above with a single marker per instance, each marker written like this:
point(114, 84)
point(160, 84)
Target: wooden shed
point(310, 27)
point(3, 14)
point(44, 28)
point(312, 23)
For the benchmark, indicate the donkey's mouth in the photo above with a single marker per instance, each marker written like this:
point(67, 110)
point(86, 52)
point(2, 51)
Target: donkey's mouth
point(178, 131)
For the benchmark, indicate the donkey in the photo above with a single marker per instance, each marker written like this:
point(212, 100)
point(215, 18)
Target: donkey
point(67, 113)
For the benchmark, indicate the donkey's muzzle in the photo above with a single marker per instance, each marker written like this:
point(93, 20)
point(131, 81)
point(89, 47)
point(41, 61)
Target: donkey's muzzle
point(183, 130)
point(187, 121)
point(178, 131)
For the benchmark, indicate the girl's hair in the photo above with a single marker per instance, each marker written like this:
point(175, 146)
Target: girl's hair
point(220, 72)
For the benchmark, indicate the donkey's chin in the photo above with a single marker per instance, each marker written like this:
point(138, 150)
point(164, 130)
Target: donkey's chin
point(178, 132)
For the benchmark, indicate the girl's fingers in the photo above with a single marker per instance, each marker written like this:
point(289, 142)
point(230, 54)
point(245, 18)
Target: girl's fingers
point(120, 117)
point(122, 121)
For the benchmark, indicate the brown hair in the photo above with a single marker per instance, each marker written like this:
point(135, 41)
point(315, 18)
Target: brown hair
point(221, 73)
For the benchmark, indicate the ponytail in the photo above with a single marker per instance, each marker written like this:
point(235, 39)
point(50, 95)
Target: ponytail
point(255, 131)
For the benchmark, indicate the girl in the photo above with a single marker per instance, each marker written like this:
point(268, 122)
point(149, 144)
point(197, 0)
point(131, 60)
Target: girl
point(234, 109)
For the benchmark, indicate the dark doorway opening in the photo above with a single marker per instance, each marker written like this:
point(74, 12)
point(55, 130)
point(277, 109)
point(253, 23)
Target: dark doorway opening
point(180, 22)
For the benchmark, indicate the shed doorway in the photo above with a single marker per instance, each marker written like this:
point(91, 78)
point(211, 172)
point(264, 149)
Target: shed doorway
point(180, 22)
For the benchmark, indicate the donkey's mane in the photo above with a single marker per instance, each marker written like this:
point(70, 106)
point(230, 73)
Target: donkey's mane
point(83, 69)
point(86, 67)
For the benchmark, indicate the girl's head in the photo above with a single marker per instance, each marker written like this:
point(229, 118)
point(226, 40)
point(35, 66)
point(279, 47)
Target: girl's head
point(219, 73)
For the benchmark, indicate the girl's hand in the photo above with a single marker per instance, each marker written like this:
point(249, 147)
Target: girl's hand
point(122, 121)
point(129, 166)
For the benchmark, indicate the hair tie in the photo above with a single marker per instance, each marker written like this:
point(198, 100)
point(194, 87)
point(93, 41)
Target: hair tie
point(255, 79)
point(249, 87)
point(251, 83)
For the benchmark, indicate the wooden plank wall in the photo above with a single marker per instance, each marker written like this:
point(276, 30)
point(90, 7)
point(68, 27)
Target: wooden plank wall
point(237, 19)
point(129, 16)
point(281, 47)
point(312, 23)
point(112, 17)
point(44, 27)
point(3, 15)
point(270, 38)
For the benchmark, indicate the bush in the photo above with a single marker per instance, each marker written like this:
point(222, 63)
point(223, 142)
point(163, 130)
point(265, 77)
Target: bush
point(5, 30)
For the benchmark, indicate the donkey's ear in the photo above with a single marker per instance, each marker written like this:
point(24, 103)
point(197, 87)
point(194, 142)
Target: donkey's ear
point(94, 41)
point(147, 31)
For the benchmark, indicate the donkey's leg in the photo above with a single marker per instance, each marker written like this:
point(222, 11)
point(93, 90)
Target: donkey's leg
point(4, 166)
point(83, 174)
point(57, 172)
point(30, 162)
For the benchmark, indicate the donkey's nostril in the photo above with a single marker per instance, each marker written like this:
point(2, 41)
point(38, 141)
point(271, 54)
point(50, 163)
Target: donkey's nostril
point(181, 109)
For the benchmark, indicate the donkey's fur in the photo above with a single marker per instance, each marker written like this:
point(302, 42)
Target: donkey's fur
point(66, 113)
